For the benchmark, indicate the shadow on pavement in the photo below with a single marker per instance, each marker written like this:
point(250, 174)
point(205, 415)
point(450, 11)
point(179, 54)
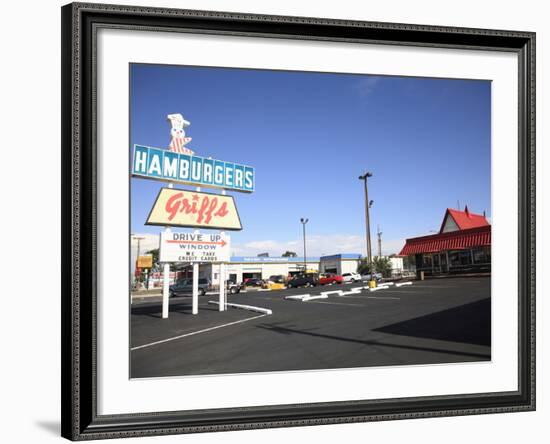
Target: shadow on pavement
point(470, 323)
point(288, 330)
point(155, 310)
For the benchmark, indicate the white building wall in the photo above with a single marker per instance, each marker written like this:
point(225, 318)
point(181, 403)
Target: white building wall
point(339, 266)
point(449, 225)
point(211, 271)
point(313, 266)
point(349, 266)
point(274, 269)
point(396, 263)
point(330, 266)
point(233, 269)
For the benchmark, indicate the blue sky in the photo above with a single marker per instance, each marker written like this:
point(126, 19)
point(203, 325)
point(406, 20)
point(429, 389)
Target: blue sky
point(309, 136)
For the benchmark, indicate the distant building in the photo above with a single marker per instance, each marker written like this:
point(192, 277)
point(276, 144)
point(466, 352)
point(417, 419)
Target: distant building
point(463, 245)
point(397, 266)
point(340, 263)
point(240, 268)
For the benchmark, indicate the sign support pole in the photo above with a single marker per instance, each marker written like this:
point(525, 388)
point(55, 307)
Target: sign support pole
point(222, 300)
point(166, 280)
point(195, 288)
point(223, 290)
point(165, 287)
point(196, 281)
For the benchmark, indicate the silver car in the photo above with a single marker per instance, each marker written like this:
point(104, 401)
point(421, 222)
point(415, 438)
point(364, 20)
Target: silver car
point(351, 277)
point(369, 277)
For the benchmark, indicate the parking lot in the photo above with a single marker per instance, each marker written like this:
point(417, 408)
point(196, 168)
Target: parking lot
point(433, 321)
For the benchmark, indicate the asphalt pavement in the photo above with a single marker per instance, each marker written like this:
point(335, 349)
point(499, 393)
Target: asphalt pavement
point(428, 322)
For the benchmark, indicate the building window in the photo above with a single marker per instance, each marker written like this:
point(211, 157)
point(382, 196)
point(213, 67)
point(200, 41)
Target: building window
point(482, 255)
point(426, 261)
point(460, 258)
point(409, 263)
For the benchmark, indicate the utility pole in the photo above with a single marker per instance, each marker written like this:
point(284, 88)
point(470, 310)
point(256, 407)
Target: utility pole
point(304, 221)
point(368, 204)
point(379, 234)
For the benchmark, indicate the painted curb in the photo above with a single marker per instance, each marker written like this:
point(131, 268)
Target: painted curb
point(266, 311)
point(338, 292)
point(403, 283)
point(305, 297)
point(356, 290)
point(297, 297)
point(315, 297)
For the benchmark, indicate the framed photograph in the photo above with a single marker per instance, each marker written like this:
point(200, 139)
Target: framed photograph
point(282, 221)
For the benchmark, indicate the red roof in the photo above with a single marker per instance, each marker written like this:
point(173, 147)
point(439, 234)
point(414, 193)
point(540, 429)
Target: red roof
point(464, 219)
point(452, 240)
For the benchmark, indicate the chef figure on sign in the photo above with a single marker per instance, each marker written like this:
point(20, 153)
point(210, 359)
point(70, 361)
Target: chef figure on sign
point(178, 141)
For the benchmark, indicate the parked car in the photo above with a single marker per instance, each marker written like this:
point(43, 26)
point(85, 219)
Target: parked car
point(277, 279)
point(330, 278)
point(351, 277)
point(253, 282)
point(368, 276)
point(304, 280)
point(232, 287)
point(185, 287)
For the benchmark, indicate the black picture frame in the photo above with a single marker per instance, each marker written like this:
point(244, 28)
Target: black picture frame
point(80, 22)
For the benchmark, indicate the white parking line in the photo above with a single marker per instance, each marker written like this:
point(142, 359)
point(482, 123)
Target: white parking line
point(378, 288)
point(336, 303)
point(433, 286)
point(196, 332)
point(382, 297)
point(370, 297)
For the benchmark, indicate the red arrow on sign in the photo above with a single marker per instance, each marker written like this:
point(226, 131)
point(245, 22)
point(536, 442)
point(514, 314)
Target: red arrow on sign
point(222, 243)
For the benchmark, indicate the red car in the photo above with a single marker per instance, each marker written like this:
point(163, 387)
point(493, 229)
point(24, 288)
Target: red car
point(330, 278)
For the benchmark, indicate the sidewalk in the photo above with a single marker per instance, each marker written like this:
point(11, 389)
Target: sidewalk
point(459, 275)
point(153, 292)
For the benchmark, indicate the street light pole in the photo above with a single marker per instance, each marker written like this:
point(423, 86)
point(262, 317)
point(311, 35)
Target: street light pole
point(368, 204)
point(304, 221)
point(379, 234)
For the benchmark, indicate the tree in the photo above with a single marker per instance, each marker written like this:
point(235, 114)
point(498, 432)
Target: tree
point(363, 266)
point(380, 264)
point(289, 254)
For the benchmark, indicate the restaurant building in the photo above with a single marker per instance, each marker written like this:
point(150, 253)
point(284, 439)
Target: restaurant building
point(463, 245)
